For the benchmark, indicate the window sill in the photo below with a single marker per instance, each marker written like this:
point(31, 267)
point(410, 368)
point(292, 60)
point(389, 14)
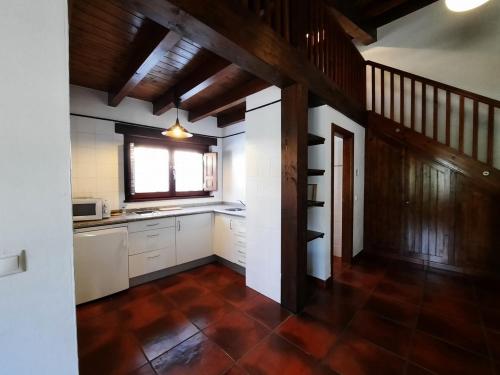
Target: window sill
point(135, 200)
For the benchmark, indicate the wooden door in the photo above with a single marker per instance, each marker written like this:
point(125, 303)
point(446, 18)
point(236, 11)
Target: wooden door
point(428, 213)
point(384, 195)
point(193, 239)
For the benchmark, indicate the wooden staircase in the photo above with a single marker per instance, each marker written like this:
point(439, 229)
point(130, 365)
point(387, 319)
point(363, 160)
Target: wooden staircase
point(454, 127)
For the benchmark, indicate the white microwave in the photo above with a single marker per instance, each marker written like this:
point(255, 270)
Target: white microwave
point(90, 209)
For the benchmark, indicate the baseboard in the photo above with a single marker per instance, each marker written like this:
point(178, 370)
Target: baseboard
point(171, 271)
point(235, 267)
point(323, 284)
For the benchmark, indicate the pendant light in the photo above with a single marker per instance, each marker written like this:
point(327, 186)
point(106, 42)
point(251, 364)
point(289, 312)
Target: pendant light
point(177, 130)
point(463, 5)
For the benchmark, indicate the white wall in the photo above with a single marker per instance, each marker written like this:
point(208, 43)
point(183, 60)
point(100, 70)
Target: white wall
point(97, 167)
point(460, 49)
point(37, 310)
point(320, 123)
point(263, 193)
point(234, 168)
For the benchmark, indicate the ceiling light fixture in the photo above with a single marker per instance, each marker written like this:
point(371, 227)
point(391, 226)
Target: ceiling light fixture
point(464, 5)
point(177, 130)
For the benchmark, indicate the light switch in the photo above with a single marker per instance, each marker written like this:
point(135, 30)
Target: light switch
point(13, 264)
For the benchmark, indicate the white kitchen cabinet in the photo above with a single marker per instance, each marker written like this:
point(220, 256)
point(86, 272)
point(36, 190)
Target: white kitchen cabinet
point(151, 246)
point(230, 238)
point(193, 237)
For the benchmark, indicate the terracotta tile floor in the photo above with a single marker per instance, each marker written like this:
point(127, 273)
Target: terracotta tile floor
point(378, 318)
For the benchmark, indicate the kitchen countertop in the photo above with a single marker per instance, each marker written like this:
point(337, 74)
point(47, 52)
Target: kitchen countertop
point(187, 210)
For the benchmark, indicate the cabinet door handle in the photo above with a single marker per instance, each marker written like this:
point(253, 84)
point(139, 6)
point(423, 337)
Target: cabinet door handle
point(231, 224)
point(241, 252)
point(178, 225)
point(240, 262)
point(154, 256)
point(152, 225)
point(153, 235)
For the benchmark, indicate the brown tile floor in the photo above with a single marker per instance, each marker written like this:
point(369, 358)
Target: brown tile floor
point(378, 318)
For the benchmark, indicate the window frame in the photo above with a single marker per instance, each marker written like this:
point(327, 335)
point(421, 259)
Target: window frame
point(171, 146)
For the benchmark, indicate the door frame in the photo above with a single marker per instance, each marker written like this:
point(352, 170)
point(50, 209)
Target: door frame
point(347, 194)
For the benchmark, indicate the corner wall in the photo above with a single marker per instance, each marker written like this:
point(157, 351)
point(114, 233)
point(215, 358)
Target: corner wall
point(263, 193)
point(320, 123)
point(37, 307)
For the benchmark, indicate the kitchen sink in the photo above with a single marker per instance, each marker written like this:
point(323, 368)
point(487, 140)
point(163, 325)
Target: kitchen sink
point(235, 209)
point(144, 212)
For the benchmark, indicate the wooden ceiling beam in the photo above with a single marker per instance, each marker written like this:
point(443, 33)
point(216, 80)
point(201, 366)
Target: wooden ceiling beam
point(228, 100)
point(211, 71)
point(236, 34)
point(149, 48)
point(348, 18)
point(233, 116)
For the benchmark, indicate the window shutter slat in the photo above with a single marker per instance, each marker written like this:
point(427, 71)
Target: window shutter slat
point(210, 171)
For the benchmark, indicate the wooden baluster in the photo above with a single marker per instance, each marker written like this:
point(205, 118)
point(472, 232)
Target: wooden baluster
point(435, 114)
point(382, 92)
point(286, 20)
point(424, 108)
point(461, 118)
point(412, 108)
point(475, 128)
point(491, 134)
point(257, 7)
point(268, 12)
point(448, 116)
point(392, 96)
point(278, 13)
point(402, 99)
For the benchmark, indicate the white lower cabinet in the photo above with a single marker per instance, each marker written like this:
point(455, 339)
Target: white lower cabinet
point(150, 250)
point(193, 239)
point(230, 238)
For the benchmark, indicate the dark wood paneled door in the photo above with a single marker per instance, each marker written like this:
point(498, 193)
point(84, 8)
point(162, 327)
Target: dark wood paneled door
point(383, 201)
point(428, 210)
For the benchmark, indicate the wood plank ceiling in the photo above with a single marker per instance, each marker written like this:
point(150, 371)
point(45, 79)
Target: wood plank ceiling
point(117, 50)
point(360, 18)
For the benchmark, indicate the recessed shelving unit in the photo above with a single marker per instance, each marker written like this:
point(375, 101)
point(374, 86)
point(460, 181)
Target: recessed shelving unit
point(312, 235)
point(315, 172)
point(315, 204)
point(313, 140)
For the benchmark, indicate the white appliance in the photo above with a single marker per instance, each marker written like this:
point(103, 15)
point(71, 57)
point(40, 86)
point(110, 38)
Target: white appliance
point(90, 209)
point(101, 262)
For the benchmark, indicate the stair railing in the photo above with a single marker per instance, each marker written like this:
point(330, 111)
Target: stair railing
point(457, 118)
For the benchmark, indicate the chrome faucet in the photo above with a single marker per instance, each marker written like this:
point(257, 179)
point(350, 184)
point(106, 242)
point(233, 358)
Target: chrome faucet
point(242, 203)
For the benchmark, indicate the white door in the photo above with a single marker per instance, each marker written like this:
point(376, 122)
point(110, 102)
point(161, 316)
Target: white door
point(194, 237)
point(223, 237)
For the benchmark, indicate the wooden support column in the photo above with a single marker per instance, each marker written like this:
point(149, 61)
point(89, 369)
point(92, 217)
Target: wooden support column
point(294, 196)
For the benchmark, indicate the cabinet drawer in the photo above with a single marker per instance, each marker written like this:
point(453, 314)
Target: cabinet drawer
point(241, 262)
point(239, 243)
point(139, 226)
point(238, 227)
point(151, 261)
point(141, 242)
point(240, 253)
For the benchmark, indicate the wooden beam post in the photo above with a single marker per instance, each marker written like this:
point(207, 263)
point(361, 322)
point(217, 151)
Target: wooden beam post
point(149, 48)
point(294, 110)
point(227, 100)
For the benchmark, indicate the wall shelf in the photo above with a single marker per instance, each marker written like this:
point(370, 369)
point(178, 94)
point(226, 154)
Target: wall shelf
point(312, 235)
point(313, 140)
point(315, 172)
point(315, 204)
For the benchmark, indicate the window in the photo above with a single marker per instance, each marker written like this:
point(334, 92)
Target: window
point(157, 169)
